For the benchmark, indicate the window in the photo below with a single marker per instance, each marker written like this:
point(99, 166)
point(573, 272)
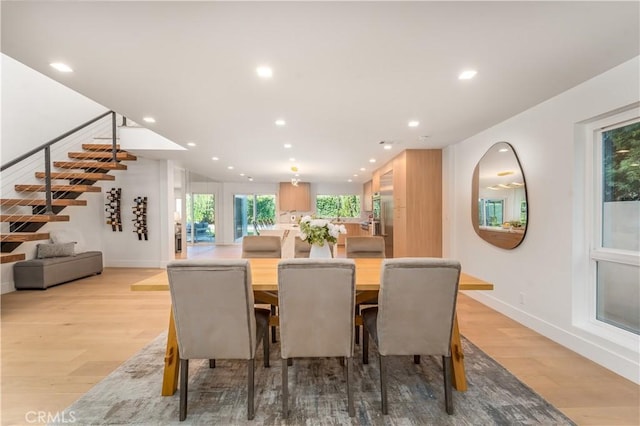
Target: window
point(337, 206)
point(250, 211)
point(490, 212)
point(615, 254)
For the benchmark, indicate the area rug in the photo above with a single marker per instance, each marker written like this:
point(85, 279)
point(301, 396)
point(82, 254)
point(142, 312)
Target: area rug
point(317, 387)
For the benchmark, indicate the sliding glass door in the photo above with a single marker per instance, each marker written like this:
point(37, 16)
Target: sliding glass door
point(201, 215)
point(251, 212)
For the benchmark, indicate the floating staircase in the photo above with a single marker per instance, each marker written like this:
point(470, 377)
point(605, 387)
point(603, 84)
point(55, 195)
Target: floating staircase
point(92, 165)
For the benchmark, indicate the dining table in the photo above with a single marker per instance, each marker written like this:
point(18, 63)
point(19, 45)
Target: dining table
point(264, 274)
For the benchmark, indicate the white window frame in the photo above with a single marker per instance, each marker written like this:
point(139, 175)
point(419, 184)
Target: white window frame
point(593, 228)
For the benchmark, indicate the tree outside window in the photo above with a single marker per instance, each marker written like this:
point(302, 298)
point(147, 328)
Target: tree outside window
point(338, 206)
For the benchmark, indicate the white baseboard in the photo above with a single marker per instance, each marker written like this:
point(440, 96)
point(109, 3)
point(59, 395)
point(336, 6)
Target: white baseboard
point(7, 287)
point(606, 357)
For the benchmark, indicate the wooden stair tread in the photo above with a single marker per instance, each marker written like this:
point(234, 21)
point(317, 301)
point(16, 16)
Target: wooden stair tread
point(59, 188)
point(21, 237)
point(96, 165)
point(102, 155)
point(80, 176)
point(33, 218)
point(99, 147)
point(11, 257)
point(58, 202)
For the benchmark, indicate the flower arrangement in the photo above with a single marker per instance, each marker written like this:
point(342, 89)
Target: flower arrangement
point(317, 231)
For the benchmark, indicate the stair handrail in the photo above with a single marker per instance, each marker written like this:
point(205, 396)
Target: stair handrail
point(47, 153)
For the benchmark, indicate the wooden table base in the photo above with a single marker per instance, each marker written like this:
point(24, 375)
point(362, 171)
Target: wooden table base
point(171, 358)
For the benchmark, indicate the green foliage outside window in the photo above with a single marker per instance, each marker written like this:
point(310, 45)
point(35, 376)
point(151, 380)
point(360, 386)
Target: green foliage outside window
point(334, 206)
point(265, 208)
point(203, 207)
point(621, 150)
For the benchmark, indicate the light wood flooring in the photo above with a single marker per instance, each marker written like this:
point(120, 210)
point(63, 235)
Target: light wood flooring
point(56, 344)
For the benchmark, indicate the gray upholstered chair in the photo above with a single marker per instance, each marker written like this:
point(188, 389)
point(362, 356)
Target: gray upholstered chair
point(360, 247)
point(212, 302)
point(415, 313)
point(301, 248)
point(323, 328)
point(364, 247)
point(263, 246)
point(269, 246)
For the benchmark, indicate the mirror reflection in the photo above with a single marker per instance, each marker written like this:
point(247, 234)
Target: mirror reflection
point(499, 197)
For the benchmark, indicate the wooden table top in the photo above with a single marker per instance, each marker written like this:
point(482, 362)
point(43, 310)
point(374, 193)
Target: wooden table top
point(264, 274)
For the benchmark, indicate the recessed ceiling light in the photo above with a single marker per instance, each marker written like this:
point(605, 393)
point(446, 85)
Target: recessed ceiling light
point(387, 147)
point(230, 167)
point(250, 179)
point(362, 169)
point(149, 119)
point(414, 123)
point(215, 158)
point(280, 122)
point(191, 144)
point(61, 67)
point(503, 150)
point(264, 71)
point(241, 174)
point(372, 160)
point(292, 159)
point(355, 175)
point(287, 145)
point(467, 75)
point(349, 180)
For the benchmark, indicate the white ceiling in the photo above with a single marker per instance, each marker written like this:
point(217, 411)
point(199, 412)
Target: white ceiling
point(346, 75)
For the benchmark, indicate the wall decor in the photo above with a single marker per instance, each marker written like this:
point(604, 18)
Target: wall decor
point(499, 205)
point(112, 208)
point(140, 221)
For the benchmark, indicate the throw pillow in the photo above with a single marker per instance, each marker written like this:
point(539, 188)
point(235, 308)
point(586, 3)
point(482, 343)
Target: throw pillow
point(54, 250)
point(61, 236)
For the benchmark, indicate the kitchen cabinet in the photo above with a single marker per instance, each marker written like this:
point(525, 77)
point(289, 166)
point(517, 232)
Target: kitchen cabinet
point(294, 198)
point(417, 199)
point(367, 193)
point(375, 182)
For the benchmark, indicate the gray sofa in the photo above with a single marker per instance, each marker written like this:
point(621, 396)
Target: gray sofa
point(44, 273)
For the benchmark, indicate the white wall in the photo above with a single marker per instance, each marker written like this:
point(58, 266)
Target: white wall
point(36, 109)
point(143, 178)
point(542, 271)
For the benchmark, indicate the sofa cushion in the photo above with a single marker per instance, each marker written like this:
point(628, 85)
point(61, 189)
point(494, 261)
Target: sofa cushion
point(45, 250)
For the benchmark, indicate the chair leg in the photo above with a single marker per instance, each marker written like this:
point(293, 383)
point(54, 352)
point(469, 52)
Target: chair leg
point(285, 388)
point(356, 330)
point(184, 379)
point(251, 366)
point(212, 363)
point(273, 329)
point(383, 385)
point(265, 347)
point(416, 359)
point(365, 345)
point(350, 407)
point(289, 362)
point(448, 397)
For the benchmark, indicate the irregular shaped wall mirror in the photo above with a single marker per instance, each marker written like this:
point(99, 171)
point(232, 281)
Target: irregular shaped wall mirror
point(499, 197)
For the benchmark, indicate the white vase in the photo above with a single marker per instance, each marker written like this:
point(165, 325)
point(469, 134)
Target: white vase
point(320, 251)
